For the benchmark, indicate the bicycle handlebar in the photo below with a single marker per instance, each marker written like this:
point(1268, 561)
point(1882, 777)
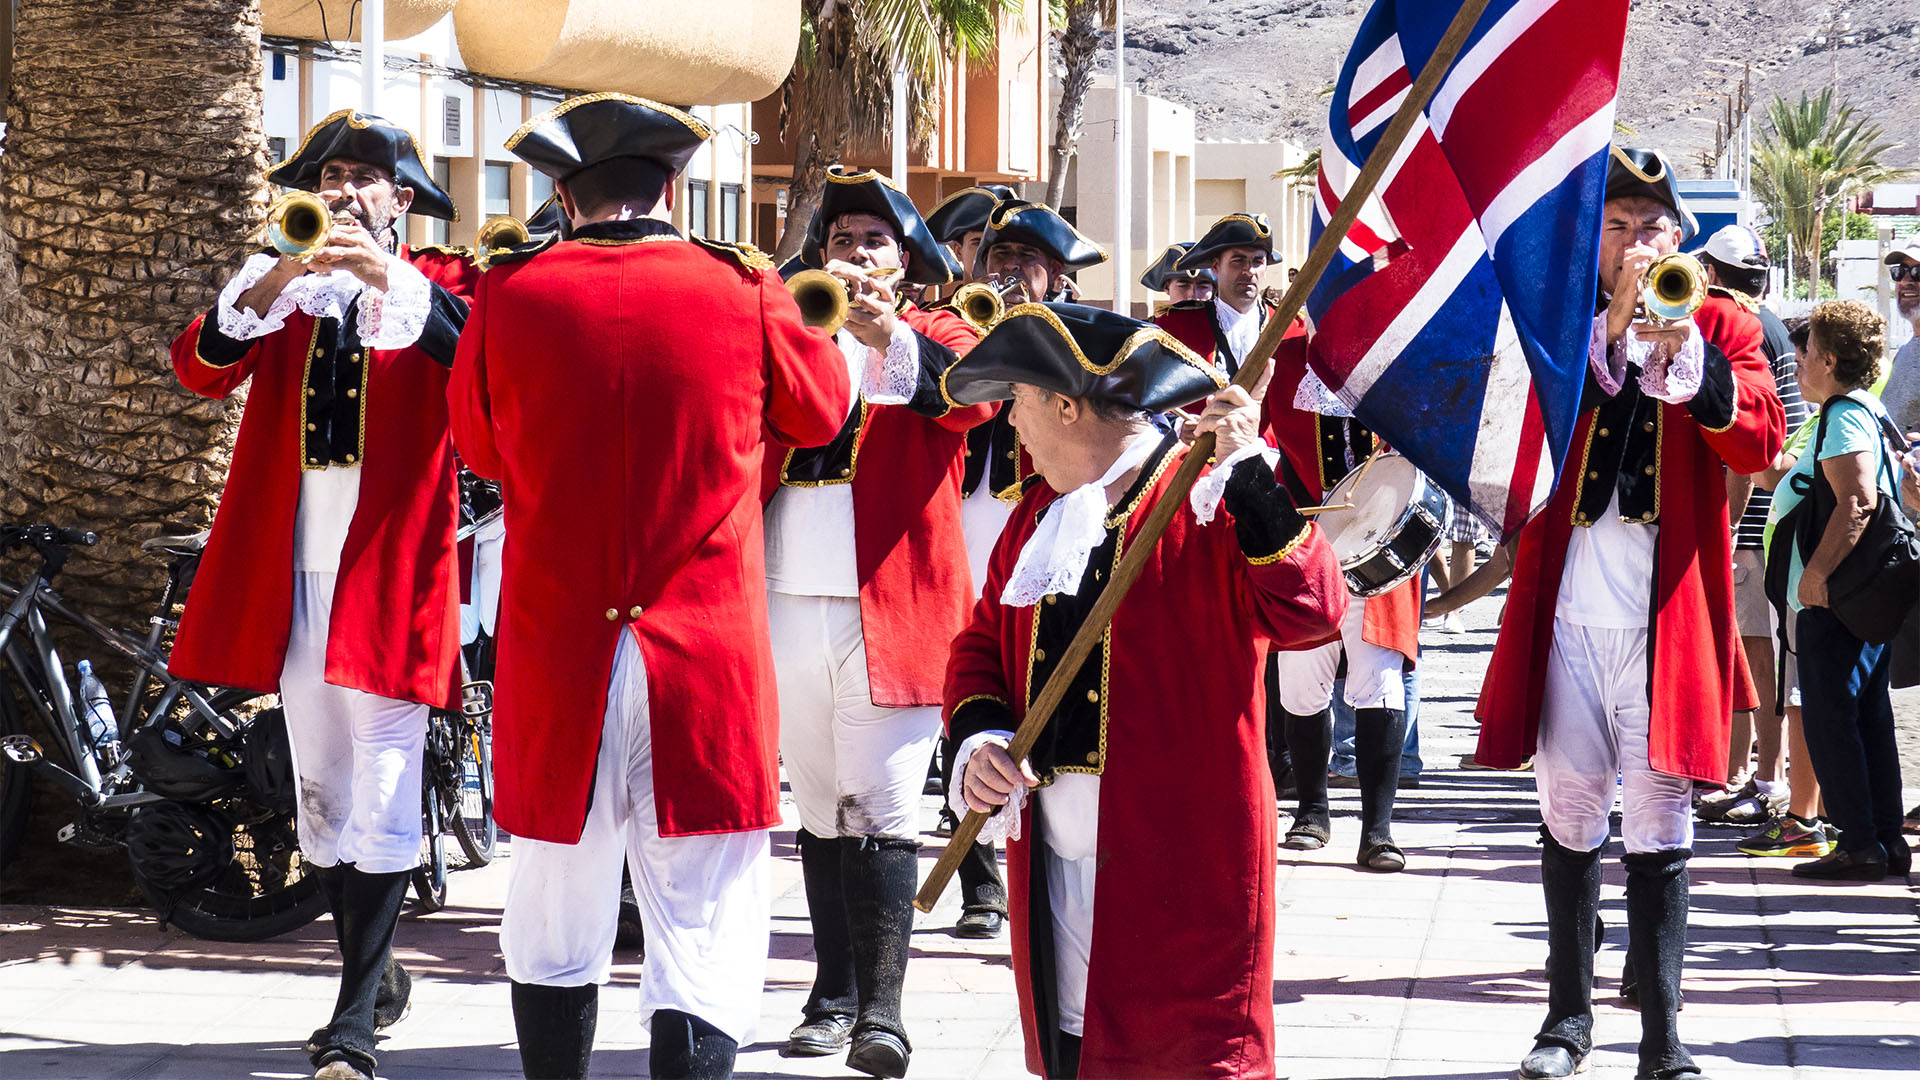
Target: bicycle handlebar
point(13, 536)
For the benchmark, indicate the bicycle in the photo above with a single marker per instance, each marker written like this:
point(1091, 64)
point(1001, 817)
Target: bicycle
point(197, 787)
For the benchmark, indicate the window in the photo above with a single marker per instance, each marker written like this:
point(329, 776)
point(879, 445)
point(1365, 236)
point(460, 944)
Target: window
point(542, 191)
point(276, 148)
point(730, 212)
point(442, 175)
point(696, 208)
point(499, 198)
point(279, 67)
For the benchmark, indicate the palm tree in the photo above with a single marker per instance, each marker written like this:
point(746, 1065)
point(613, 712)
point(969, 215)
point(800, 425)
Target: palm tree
point(131, 184)
point(1076, 25)
point(839, 98)
point(1813, 157)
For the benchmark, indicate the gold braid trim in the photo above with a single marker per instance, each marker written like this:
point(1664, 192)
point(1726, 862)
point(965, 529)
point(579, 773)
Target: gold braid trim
point(1286, 549)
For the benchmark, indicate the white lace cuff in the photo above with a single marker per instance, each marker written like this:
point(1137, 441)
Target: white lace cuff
point(1609, 369)
point(1211, 488)
point(1671, 377)
point(890, 377)
point(1004, 824)
point(395, 318)
point(241, 324)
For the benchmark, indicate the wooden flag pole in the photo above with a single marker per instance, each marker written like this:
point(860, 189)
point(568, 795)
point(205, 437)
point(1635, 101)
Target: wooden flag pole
point(1251, 370)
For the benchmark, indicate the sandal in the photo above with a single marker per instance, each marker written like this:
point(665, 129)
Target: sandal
point(1382, 858)
point(1307, 835)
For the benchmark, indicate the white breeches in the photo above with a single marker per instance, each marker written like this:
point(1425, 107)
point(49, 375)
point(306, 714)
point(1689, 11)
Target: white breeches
point(705, 901)
point(1374, 679)
point(982, 519)
point(856, 768)
point(1594, 718)
point(1069, 847)
point(356, 756)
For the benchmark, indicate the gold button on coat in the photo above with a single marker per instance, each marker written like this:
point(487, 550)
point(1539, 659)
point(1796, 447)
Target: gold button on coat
point(634, 612)
point(1093, 695)
point(613, 614)
point(1093, 758)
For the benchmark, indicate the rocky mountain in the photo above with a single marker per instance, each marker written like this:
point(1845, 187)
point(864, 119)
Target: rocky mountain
point(1253, 69)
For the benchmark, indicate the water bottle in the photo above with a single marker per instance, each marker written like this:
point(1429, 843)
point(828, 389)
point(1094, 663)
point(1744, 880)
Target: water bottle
point(101, 724)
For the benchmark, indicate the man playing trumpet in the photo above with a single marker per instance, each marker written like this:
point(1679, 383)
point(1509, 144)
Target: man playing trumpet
point(329, 576)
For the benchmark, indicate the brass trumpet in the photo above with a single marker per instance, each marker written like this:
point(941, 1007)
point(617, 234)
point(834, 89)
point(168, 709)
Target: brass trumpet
point(824, 299)
point(298, 223)
point(984, 304)
point(1673, 289)
point(498, 233)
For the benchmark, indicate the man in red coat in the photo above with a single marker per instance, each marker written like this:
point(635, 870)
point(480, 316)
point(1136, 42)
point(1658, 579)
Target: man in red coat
point(1142, 905)
point(623, 386)
point(1615, 662)
point(329, 575)
point(866, 585)
point(1237, 249)
point(1320, 443)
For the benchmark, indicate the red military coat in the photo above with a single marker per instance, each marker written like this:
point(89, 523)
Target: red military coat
point(1392, 619)
point(396, 614)
point(1180, 980)
point(1194, 325)
point(909, 553)
point(624, 393)
point(1695, 645)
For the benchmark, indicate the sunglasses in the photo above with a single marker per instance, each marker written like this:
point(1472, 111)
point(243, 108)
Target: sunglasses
point(1904, 271)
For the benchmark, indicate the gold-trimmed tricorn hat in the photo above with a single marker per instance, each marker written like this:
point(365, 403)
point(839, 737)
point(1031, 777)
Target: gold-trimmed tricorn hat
point(928, 262)
point(1041, 227)
point(1083, 352)
point(1166, 268)
point(1233, 231)
point(375, 140)
point(1634, 171)
point(966, 211)
point(593, 128)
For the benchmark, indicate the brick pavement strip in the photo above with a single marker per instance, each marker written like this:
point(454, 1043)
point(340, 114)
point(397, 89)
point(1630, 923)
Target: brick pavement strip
point(1433, 974)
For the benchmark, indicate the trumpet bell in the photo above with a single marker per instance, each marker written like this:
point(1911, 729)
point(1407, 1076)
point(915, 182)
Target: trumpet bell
point(980, 305)
point(1674, 288)
point(822, 299)
point(298, 223)
point(498, 233)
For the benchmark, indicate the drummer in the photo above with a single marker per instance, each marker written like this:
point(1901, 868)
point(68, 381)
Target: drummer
point(1320, 443)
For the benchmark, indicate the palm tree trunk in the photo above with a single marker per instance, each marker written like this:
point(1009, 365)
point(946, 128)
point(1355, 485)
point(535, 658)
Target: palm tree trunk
point(131, 189)
point(803, 197)
point(1079, 45)
point(1815, 270)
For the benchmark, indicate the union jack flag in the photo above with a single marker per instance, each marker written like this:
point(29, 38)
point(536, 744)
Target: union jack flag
point(1454, 320)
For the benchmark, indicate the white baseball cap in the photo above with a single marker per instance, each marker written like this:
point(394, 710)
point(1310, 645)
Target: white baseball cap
point(1909, 250)
point(1738, 246)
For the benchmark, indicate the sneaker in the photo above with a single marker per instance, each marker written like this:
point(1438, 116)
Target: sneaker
point(1791, 838)
point(1755, 809)
point(1452, 623)
point(1713, 806)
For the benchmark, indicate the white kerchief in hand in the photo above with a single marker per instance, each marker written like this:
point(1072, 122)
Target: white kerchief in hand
point(1211, 488)
point(1055, 557)
point(1672, 377)
point(395, 319)
point(1002, 824)
point(324, 296)
point(1315, 396)
point(891, 377)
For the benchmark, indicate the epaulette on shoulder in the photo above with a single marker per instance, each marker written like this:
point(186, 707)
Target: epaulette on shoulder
point(746, 256)
point(1746, 302)
point(1190, 305)
point(449, 250)
point(522, 252)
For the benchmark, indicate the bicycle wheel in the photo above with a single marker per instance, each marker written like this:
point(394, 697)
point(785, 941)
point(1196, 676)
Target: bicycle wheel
point(16, 781)
point(430, 877)
point(473, 824)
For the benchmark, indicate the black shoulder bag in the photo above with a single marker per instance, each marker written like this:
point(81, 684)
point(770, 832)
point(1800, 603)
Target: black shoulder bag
point(1877, 585)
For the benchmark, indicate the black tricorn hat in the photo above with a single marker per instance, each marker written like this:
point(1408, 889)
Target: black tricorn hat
point(928, 262)
point(593, 128)
point(966, 211)
point(375, 140)
point(551, 217)
point(1083, 352)
point(1232, 231)
point(1164, 269)
point(1032, 223)
point(1637, 171)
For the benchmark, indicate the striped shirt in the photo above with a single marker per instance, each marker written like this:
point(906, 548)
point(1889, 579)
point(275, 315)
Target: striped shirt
point(1779, 349)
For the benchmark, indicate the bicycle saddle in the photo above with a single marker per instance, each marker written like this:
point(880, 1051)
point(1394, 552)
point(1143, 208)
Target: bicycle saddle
point(189, 544)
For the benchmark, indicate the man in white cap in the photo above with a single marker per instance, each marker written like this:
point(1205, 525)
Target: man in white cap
point(1901, 395)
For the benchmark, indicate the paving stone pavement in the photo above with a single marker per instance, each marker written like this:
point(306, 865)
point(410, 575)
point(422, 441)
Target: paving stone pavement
point(1431, 974)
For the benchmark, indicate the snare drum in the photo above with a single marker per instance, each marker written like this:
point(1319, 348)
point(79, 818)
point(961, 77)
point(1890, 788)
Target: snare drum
point(1389, 522)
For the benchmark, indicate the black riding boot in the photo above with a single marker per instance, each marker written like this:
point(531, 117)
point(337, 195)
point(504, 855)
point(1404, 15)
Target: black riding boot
point(1657, 887)
point(983, 894)
point(555, 1027)
point(369, 909)
point(879, 878)
point(1279, 761)
point(828, 1017)
point(1571, 881)
point(1309, 742)
point(686, 1047)
point(1379, 737)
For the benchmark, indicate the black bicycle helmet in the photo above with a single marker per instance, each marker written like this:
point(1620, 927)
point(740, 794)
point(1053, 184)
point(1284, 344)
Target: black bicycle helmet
point(177, 847)
point(269, 761)
point(180, 772)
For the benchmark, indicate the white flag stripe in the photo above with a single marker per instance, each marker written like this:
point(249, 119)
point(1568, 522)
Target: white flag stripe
point(1434, 293)
point(1503, 415)
point(1375, 69)
point(1379, 116)
point(1546, 172)
point(1475, 63)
